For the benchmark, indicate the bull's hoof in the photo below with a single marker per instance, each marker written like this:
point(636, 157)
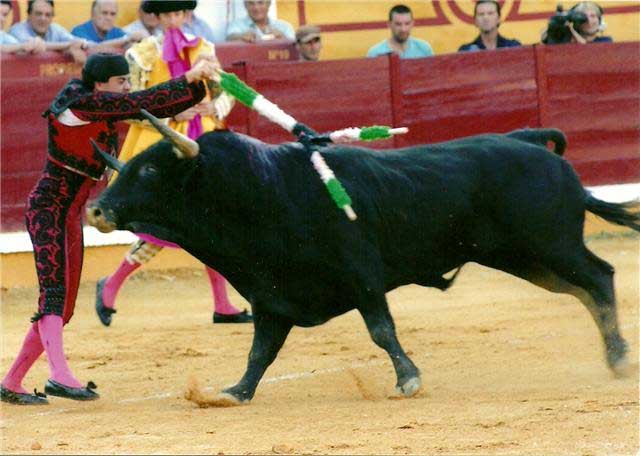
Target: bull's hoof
point(410, 387)
point(228, 400)
point(617, 358)
point(204, 400)
point(622, 368)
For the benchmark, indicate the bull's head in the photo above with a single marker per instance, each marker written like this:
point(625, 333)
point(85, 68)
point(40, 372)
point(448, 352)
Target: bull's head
point(149, 191)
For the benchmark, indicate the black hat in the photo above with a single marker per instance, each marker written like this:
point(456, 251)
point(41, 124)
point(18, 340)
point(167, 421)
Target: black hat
point(101, 66)
point(164, 6)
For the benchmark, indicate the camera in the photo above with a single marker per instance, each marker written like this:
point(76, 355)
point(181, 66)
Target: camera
point(557, 31)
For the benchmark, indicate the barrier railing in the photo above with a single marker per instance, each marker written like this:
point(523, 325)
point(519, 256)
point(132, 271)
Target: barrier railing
point(590, 92)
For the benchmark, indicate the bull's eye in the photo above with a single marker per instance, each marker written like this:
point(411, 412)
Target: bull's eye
point(148, 171)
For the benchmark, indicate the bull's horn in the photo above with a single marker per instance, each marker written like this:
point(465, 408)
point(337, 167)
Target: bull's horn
point(187, 146)
point(111, 161)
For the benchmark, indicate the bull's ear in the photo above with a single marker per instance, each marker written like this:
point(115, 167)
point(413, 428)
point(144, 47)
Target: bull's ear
point(111, 161)
point(187, 147)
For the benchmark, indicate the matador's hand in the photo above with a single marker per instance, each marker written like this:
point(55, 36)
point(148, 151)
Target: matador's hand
point(204, 69)
point(186, 115)
point(223, 105)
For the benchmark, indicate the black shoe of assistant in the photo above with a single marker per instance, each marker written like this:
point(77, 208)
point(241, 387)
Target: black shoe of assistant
point(11, 397)
point(104, 313)
point(54, 388)
point(240, 317)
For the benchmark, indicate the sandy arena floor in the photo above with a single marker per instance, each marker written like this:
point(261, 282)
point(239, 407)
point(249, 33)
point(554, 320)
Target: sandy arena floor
point(507, 369)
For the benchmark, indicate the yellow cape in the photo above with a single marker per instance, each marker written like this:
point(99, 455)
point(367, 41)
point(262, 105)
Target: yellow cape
point(148, 69)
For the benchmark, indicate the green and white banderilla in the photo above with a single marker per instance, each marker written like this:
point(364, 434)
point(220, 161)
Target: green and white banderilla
point(231, 84)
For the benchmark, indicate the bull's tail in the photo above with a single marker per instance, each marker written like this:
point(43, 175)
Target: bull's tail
point(625, 214)
point(542, 136)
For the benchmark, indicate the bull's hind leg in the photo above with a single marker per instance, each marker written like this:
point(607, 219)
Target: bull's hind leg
point(383, 332)
point(270, 333)
point(592, 281)
point(582, 274)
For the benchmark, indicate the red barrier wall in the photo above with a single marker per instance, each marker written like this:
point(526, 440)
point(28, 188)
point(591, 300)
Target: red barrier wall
point(594, 97)
point(591, 92)
point(467, 93)
point(324, 95)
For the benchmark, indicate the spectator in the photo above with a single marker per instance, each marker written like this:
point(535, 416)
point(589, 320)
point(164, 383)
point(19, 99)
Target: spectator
point(590, 31)
point(401, 42)
point(9, 43)
point(5, 9)
point(48, 36)
point(257, 26)
point(197, 26)
point(147, 23)
point(101, 27)
point(308, 42)
point(486, 14)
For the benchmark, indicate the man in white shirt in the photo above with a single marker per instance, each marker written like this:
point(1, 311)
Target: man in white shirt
point(9, 43)
point(146, 22)
point(40, 28)
point(258, 26)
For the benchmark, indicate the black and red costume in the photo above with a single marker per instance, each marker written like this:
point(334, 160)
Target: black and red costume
point(54, 213)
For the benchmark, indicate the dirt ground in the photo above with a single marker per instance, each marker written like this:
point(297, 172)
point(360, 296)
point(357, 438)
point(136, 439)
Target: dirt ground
point(507, 369)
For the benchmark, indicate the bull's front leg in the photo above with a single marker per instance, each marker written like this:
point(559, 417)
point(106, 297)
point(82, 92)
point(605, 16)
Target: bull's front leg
point(382, 330)
point(270, 332)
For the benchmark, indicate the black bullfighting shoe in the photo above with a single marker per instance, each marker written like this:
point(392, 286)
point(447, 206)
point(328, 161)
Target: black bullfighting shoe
point(240, 317)
point(11, 397)
point(104, 313)
point(53, 388)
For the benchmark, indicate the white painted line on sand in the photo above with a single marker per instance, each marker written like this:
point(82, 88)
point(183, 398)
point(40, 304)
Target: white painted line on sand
point(268, 380)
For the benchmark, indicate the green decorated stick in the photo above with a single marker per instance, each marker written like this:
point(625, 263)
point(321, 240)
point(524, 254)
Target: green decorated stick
point(249, 97)
point(231, 84)
point(373, 133)
point(252, 99)
point(333, 185)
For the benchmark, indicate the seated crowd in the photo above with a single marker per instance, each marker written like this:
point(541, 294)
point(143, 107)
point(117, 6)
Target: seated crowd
point(39, 33)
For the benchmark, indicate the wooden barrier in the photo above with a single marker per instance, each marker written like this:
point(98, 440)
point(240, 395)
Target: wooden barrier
point(268, 51)
point(591, 92)
point(324, 95)
point(471, 93)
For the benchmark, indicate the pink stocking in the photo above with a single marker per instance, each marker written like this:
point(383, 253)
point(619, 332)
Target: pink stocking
point(30, 351)
point(50, 327)
point(220, 298)
point(114, 282)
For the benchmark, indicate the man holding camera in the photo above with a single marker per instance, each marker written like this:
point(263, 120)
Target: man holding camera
point(582, 24)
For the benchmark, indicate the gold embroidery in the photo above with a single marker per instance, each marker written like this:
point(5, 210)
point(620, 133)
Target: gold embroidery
point(141, 58)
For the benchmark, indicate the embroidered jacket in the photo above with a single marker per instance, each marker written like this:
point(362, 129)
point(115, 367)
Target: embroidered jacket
point(147, 68)
point(78, 114)
point(143, 56)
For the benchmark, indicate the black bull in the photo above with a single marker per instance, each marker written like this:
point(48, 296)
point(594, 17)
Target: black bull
point(261, 216)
